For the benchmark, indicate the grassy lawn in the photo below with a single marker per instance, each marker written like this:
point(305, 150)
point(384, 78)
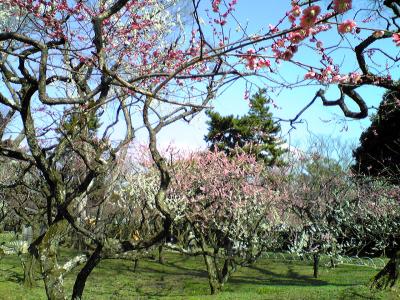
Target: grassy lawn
point(185, 278)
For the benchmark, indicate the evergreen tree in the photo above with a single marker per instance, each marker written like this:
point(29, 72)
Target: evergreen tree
point(379, 150)
point(254, 133)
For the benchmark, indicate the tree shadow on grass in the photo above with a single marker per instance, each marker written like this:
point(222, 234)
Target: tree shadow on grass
point(171, 281)
point(12, 276)
point(188, 270)
point(155, 291)
point(158, 280)
point(179, 271)
point(356, 294)
point(128, 266)
point(295, 275)
point(290, 278)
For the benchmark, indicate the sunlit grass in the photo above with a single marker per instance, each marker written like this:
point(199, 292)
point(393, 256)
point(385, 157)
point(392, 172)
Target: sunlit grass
point(184, 277)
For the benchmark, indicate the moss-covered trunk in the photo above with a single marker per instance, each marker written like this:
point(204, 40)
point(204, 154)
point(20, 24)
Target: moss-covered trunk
point(213, 276)
point(51, 271)
point(29, 271)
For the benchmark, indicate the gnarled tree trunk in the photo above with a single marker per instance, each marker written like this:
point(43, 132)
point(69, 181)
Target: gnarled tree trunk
point(51, 271)
point(389, 275)
point(213, 276)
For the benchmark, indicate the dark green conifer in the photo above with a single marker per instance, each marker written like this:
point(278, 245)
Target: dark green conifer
point(379, 150)
point(255, 133)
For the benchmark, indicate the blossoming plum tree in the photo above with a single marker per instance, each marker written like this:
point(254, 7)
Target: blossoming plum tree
point(318, 191)
point(334, 212)
point(229, 220)
point(230, 207)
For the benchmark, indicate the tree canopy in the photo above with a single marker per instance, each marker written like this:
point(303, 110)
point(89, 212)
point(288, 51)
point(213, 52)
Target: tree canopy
point(80, 78)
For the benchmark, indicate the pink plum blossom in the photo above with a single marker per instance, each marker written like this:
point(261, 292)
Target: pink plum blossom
point(310, 15)
point(340, 6)
point(310, 75)
point(396, 38)
point(347, 26)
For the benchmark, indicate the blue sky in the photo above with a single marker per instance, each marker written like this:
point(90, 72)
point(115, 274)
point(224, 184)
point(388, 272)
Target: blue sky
point(317, 120)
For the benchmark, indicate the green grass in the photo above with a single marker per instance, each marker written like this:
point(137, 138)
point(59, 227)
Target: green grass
point(184, 277)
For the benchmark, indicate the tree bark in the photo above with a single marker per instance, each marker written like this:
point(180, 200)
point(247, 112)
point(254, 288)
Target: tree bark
point(83, 275)
point(30, 263)
point(29, 271)
point(161, 259)
point(316, 264)
point(51, 271)
point(135, 264)
point(389, 275)
point(213, 277)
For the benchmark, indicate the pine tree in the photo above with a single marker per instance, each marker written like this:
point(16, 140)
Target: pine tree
point(379, 150)
point(254, 133)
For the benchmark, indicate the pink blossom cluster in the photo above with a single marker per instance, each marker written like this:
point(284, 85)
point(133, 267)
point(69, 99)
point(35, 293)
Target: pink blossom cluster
point(309, 17)
point(254, 62)
point(294, 13)
point(222, 20)
point(285, 47)
point(49, 14)
point(216, 187)
point(331, 75)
